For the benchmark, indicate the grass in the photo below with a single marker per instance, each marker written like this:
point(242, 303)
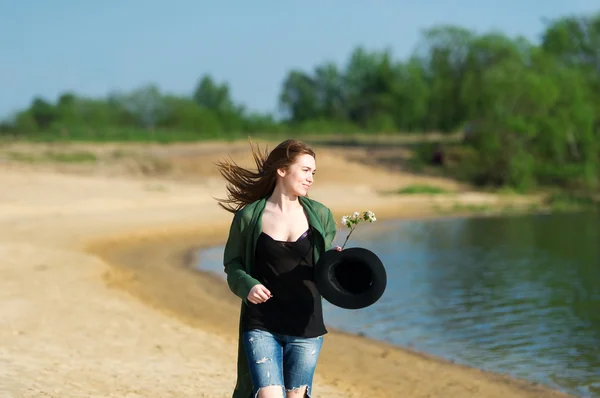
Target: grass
point(422, 189)
point(70, 157)
point(570, 201)
point(52, 156)
point(121, 135)
point(507, 191)
point(554, 203)
point(162, 135)
point(145, 164)
point(156, 188)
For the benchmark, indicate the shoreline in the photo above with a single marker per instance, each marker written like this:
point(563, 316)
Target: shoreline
point(371, 369)
point(96, 298)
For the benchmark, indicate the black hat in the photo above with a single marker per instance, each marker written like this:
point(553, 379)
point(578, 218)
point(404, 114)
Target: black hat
point(352, 278)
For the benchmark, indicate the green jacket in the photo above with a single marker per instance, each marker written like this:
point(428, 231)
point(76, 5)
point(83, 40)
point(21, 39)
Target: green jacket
point(238, 260)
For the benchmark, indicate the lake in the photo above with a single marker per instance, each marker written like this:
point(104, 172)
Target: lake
point(517, 295)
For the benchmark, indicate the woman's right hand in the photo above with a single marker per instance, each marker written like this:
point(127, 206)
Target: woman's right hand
point(259, 294)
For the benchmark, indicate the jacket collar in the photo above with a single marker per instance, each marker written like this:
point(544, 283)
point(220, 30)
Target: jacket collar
point(314, 221)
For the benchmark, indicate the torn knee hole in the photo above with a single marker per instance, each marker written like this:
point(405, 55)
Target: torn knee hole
point(296, 390)
point(270, 388)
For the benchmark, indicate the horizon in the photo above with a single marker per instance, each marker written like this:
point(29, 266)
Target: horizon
point(89, 59)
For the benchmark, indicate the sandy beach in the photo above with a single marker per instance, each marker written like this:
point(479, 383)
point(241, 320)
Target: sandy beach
point(96, 299)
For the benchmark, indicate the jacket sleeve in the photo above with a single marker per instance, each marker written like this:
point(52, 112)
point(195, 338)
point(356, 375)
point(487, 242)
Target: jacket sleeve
point(329, 229)
point(239, 281)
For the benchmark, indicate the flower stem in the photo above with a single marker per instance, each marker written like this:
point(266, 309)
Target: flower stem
point(352, 230)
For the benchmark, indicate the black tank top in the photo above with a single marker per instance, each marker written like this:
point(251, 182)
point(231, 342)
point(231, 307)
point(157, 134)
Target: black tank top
point(287, 270)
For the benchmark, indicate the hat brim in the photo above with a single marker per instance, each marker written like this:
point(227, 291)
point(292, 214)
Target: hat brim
point(352, 278)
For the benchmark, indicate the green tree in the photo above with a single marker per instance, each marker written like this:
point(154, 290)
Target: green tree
point(42, 112)
point(299, 98)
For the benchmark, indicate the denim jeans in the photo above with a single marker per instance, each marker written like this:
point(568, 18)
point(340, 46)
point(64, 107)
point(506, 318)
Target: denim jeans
point(280, 360)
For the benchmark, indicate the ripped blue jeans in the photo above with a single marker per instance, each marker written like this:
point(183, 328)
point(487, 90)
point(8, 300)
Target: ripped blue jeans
point(280, 360)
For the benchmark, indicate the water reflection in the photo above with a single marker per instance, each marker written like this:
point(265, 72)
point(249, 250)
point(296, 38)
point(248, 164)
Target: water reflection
point(519, 295)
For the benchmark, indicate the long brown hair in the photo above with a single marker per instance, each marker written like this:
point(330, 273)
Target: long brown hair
point(246, 186)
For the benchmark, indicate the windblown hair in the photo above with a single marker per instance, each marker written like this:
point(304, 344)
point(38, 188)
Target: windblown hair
point(246, 186)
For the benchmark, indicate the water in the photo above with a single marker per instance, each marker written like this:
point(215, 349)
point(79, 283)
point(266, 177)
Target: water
point(516, 295)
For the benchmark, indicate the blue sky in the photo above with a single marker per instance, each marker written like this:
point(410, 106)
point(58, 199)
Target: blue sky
point(94, 47)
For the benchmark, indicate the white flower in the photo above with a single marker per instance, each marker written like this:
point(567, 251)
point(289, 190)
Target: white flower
point(346, 221)
point(369, 216)
point(355, 219)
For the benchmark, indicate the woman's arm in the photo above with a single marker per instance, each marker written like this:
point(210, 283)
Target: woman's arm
point(239, 281)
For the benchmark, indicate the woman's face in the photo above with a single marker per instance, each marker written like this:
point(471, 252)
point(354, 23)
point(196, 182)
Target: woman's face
point(300, 175)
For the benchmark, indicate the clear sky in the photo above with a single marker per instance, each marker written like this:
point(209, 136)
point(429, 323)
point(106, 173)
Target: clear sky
point(94, 47)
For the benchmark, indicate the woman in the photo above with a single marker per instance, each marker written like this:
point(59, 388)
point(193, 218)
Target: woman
point(276, 236)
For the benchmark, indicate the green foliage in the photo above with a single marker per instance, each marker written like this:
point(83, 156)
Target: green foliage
point(531, 114)
point(422, 189)
point(566, 201)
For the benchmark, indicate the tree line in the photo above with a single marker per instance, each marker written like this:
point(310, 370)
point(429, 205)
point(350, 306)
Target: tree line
point(530, 112)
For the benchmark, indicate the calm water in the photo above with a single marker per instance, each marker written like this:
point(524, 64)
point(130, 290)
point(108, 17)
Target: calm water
point(517, 295)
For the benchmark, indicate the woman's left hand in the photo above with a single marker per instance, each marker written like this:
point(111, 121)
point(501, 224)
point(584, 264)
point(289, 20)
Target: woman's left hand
point(338, 248)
